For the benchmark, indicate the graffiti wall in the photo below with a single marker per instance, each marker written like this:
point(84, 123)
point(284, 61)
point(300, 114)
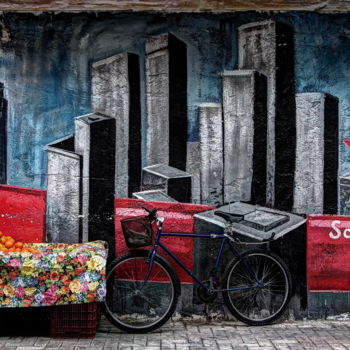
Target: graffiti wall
point(232, 110)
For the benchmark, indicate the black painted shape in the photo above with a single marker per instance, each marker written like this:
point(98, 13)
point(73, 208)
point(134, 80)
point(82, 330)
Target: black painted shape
point(258, 192)
point(180, 189)
point(134, 155)
point(66, 144)
point(102, 179)
point(292, 249)
point(177, 103)
point(3, 136)
point(285, 122)
point(330, 179)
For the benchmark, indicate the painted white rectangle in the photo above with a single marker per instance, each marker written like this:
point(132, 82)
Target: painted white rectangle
point(211, 153)
point(111, 96)
point(257, 50)
point(157, 96)
point(238, 111)
point(309, 172)
point(63, 196)
point(193, 167)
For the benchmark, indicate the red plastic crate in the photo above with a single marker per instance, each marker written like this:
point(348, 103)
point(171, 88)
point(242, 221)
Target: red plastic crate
point(75, 321)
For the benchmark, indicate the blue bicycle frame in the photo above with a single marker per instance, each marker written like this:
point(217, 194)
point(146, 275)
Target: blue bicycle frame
point(224, 241)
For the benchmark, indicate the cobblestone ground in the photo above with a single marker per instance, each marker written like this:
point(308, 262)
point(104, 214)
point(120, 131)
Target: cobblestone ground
point(320, 335)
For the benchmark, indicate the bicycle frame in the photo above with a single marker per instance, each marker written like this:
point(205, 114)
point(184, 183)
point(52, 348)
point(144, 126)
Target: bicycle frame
point(224, 240)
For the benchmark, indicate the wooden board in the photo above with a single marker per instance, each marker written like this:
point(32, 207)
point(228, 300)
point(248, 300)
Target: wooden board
point(175, 5)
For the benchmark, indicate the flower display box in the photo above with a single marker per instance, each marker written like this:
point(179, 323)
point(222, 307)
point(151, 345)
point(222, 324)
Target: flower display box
point(59, 274)
point(67, 279)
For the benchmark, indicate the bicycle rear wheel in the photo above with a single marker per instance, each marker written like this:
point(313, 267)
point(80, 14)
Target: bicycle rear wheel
point(260, 305)
point(135, 306)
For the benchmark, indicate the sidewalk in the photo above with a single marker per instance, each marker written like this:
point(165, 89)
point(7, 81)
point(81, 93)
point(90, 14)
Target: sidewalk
point(320, 335)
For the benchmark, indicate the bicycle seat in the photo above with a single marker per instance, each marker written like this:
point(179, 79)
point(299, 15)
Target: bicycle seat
point(229, 217)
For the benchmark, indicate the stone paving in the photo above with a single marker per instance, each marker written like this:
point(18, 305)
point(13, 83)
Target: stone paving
point(295, 335)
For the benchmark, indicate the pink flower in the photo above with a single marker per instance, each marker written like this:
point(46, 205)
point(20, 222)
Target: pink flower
point(15, 263)
point(54, 288)
point(84, 287)
point(19, 292)
point(82, 258)
point(49, 297)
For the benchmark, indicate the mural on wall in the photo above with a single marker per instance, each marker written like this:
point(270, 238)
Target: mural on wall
point(262, 144)
point(243, 111)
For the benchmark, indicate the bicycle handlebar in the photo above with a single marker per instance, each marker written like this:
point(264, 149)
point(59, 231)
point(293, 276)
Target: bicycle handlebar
point(151, 213)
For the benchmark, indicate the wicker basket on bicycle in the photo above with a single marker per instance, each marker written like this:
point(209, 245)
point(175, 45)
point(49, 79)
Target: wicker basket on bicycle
point(138, 231)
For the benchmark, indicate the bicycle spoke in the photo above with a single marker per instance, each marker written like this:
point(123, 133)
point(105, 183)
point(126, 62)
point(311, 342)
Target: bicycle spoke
point(134, 305)
point(264, 302)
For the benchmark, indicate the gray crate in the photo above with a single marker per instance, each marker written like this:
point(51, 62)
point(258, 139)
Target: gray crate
point(258, 224)
point(289, 242)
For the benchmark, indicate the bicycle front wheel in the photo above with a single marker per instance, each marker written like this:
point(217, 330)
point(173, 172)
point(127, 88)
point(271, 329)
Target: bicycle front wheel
point(134, 305)
point(252, 304)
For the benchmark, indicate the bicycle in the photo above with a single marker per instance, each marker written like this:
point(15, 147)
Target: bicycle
point(143, 288)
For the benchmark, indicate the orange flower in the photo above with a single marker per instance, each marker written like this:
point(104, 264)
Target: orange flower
point(64, 290)
point(27, 302)
point(78, 271)
point(6, 301)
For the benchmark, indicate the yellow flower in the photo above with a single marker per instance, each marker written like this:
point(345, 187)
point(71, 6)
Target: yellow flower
point(27, 268)
point(74, 286)
point(29, 291)
point(96, 263)
point(57, 267)
point(93, 286)
point(9, 290)
point(72, 297)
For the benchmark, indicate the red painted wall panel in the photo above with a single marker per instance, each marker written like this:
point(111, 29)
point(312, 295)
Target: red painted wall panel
point(22, 213)
point(178, 218)
point(328, 253)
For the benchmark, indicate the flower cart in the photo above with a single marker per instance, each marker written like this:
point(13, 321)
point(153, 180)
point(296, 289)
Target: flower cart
point(70, 278)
